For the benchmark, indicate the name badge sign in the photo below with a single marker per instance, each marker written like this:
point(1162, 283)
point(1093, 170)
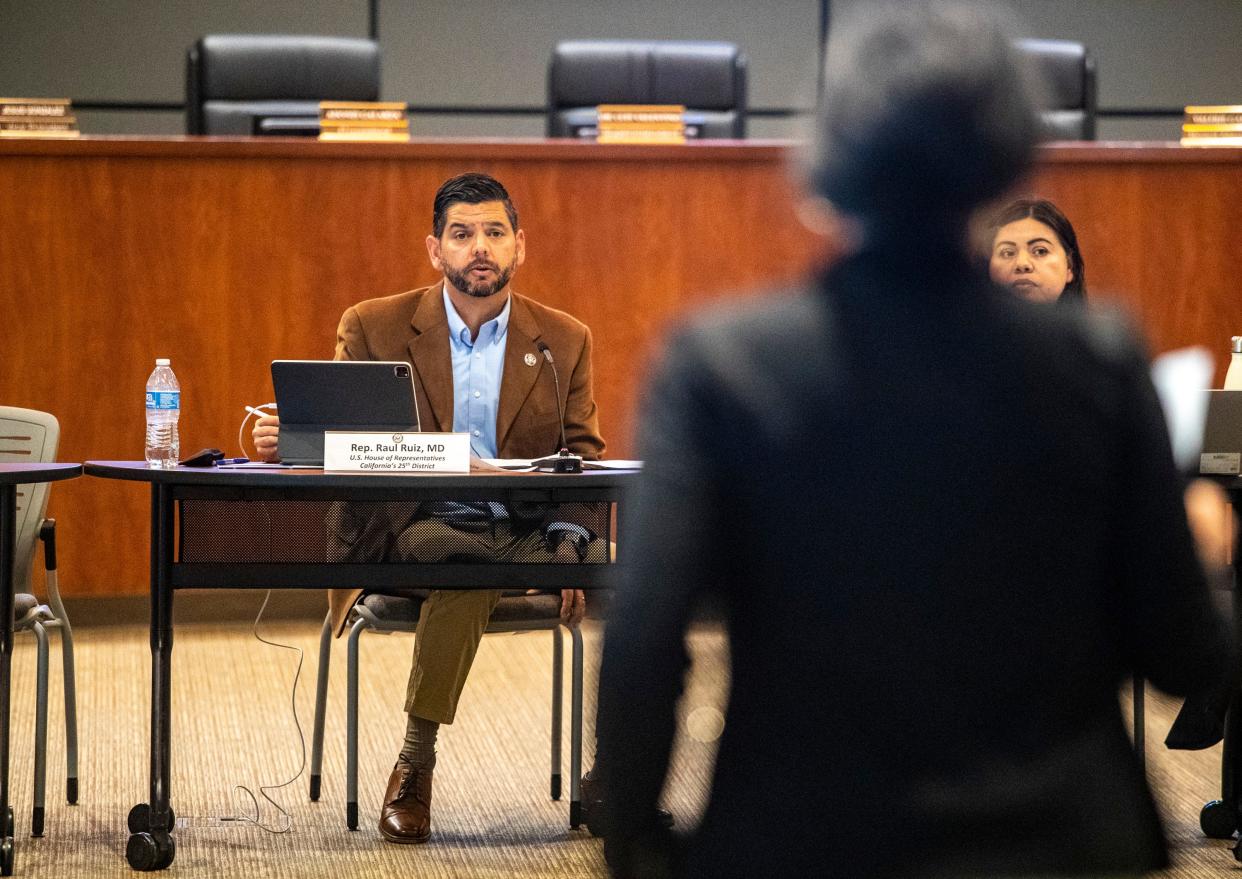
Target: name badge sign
point(1220, 463)
point(375, 451)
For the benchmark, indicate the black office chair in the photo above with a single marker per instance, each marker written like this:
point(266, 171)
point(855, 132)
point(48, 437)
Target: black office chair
point(1068, 69)
point(247, 84)
point(386, 614)
point(708, 79)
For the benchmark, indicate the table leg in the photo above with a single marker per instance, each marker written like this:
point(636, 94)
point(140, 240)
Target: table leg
point(151, 845)
point(8, 545)
point(1230, 766)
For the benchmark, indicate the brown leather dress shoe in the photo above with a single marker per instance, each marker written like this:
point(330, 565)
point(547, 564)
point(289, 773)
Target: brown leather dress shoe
point(406, 816)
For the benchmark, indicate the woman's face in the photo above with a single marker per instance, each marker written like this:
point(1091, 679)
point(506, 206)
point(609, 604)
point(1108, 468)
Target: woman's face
point(1028, 258)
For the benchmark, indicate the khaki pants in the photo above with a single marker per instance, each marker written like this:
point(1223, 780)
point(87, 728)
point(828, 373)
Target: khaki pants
point(451, 622)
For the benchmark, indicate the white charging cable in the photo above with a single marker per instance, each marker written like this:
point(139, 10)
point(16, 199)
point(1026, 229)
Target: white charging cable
point(287, 823)
point(241, 430)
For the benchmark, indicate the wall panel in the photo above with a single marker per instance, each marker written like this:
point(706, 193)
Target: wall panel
point(1150, 54)
point(134, 50)
point(495, 53)
point(226, 255)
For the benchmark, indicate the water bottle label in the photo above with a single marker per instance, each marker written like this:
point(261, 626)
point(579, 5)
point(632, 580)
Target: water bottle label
point(163, 399)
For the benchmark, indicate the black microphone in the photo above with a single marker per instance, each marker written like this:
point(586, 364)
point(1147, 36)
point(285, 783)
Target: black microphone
point(562, 462)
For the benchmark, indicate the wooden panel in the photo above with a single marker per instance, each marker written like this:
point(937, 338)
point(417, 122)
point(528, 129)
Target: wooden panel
point(226, 254)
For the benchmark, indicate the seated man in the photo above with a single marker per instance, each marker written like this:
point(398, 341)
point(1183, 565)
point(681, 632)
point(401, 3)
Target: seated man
point(476, 350)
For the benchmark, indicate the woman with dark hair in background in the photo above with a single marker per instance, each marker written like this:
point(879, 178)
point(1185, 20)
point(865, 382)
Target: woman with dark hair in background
point(1035, 252)
point(943, 524)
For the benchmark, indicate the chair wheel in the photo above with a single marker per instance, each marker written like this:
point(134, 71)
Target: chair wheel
point(140, 851)
point(150, 851)
point(139, 819)
point(1217, 820)
point(6, 856)
point(167, 849)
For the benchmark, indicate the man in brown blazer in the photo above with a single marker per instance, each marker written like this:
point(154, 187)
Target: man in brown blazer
point(476, 348)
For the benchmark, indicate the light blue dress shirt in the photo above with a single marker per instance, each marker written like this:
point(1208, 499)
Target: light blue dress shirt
point(478, 367)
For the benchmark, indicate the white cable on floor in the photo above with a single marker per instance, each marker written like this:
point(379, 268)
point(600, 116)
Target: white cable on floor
point(263, 789)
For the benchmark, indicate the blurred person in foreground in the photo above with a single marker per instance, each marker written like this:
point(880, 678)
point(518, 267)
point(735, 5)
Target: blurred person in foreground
point(944, 524)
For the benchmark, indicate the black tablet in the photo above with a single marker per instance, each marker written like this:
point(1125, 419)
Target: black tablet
point(317, 395)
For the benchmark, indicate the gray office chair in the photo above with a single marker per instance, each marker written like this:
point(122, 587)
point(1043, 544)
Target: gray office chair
point(515, 612)
point(1068, 70)
point(27, 435)
point(708, 79)
point(249, 84)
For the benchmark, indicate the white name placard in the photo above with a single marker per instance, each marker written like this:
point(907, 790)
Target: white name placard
point(1220, 463)
point(374, 451)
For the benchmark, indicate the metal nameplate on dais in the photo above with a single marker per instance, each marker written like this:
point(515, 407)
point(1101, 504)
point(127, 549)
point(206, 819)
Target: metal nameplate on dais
point(1220, 463)
point(374, 451)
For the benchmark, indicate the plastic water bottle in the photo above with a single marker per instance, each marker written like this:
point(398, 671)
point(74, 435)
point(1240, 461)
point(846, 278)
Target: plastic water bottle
point(1233, 376)
point(163, 410)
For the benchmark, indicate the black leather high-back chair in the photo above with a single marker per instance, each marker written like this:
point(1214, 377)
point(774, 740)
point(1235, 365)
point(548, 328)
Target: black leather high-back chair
point(244, 84)
point(1069, 72)
point(707, 78)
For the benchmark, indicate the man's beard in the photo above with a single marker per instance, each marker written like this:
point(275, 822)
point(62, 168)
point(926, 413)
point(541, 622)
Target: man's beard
point(480, 289)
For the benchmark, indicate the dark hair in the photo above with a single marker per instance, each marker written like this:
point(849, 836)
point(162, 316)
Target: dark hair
point(1050, 215)
point(472, 188)
point(927, 112)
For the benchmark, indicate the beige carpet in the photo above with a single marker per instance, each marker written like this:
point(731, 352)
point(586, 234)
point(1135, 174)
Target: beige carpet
point(493, 818)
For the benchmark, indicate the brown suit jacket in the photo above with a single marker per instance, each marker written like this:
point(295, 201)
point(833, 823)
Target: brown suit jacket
point(413, 327)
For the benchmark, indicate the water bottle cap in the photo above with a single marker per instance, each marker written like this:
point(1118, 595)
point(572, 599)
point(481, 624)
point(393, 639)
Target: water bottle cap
point(164, 361)
point(1236, 344)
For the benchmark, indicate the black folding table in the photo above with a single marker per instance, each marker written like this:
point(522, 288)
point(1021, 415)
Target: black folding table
point(274, 529)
